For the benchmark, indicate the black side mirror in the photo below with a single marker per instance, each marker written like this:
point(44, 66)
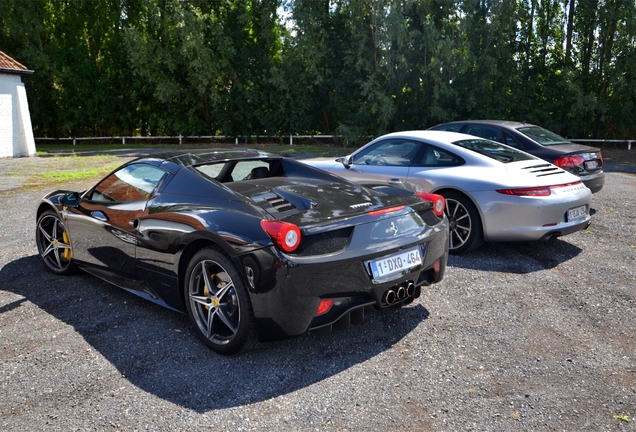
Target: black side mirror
point(70, 199)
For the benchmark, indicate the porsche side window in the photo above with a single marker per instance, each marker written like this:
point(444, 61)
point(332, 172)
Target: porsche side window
point(131, 183)
point(396, 152)
point(437, 157)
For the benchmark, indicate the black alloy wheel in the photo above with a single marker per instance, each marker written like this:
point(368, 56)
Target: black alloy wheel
point(54, 244)
point(218, 303)
point(465, 229)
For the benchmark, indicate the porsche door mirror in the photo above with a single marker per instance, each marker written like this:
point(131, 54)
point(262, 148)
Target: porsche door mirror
point(347, 161)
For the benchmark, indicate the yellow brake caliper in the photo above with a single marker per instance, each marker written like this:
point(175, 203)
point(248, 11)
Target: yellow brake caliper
point(215, 280)
point(67, 251)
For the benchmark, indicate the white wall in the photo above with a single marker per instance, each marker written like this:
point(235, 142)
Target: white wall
point(16, 132)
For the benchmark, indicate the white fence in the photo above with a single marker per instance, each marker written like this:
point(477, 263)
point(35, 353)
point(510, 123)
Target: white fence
point(237, 140)
point(602, 141)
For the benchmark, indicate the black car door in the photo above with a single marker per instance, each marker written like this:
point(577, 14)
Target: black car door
point(103, 226)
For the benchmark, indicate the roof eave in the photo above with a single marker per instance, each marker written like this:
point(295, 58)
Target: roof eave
point(16, 71)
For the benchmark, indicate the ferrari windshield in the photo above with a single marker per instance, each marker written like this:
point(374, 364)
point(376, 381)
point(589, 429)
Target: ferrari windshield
point(542, 136)
point(494, 150)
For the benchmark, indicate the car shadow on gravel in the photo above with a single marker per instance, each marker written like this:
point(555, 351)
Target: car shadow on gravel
point(156, 349)
point(517, 257)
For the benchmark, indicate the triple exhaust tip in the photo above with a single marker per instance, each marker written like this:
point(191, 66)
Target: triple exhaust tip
point(399, 293)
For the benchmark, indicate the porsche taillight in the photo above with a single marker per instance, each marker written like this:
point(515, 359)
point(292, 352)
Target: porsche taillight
point(536, 191)
point(285, 235)
point(437, 200)
point(569, 161)
point(533, 191)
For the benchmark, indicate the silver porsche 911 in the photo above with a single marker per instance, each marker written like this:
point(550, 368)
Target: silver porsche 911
point(493, 192)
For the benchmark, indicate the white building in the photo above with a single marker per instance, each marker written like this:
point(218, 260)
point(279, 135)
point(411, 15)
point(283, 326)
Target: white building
point(16, 132)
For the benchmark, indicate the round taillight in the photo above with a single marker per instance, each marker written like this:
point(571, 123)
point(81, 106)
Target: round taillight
point(437, 200)
point(285, 235)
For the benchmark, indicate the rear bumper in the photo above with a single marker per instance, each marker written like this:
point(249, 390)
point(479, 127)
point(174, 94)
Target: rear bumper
point(594, 182)
point(510, 218)
point(285, 298)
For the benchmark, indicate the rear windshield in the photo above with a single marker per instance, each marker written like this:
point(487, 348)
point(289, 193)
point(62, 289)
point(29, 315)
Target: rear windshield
point(542, 136)
point(500, 152)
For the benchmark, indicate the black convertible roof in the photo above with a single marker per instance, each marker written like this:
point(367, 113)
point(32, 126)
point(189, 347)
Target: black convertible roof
point(188, 158)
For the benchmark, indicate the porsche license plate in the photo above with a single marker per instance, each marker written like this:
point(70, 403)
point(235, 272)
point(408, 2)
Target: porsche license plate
point(576, 213)
point(387, 266)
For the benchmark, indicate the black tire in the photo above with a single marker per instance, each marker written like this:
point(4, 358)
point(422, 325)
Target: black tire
point(54, 244)
point(466, 232)
point(218, 303)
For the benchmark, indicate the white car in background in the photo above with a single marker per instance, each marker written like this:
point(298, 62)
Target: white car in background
point(493, 192)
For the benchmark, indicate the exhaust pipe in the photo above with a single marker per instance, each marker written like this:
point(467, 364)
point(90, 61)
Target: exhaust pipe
point(389, 297)
point(399, 293)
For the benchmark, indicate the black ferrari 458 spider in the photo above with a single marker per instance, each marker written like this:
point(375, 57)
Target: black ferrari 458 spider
point(251, 245)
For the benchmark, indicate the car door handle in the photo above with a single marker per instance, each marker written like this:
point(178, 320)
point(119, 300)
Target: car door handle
point(395, 182)
point(99, 216)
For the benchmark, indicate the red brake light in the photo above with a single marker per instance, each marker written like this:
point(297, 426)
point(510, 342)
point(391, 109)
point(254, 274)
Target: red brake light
point(324, 306)
point(569, 161)
point(438, 202)
point(536, 191)
point(386, 210)
point(286, 236)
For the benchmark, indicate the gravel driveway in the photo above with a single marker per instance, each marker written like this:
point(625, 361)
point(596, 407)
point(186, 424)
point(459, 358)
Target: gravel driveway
point(518, 336)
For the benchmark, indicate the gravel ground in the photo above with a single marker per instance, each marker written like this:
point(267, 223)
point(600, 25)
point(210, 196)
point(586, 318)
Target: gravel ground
point(518, 336)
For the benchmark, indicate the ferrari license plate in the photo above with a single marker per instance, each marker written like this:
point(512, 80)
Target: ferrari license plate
point(577, 212)
point(387, 266)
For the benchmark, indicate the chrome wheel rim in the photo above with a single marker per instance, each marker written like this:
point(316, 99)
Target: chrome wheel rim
point(53, 243)
point(459, 223)
point(214, 302)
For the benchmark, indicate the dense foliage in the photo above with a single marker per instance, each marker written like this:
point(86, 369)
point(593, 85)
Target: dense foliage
point(348, 67)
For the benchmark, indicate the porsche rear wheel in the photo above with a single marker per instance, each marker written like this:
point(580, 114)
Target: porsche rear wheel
point(54, 244)
point(218, 303)
point(465, 229)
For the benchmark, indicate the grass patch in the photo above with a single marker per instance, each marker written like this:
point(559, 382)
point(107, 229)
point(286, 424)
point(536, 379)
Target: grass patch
point(75, 175)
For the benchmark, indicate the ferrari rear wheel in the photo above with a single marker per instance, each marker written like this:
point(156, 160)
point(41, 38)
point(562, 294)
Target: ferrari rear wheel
point(465, 230)
point(54, 244)
point(218, 303)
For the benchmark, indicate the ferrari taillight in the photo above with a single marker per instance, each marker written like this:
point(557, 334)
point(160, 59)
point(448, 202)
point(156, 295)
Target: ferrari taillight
point(437, 200)
point(286, 236)
point(324, 306)
point(569, 161)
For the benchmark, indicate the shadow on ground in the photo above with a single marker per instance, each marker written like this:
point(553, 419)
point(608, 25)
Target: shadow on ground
point(517, 257)
point(156, 349)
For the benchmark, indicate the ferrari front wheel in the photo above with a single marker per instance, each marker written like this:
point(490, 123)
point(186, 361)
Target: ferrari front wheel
point(465, 230)
point(54, 244)
point(218, 303)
